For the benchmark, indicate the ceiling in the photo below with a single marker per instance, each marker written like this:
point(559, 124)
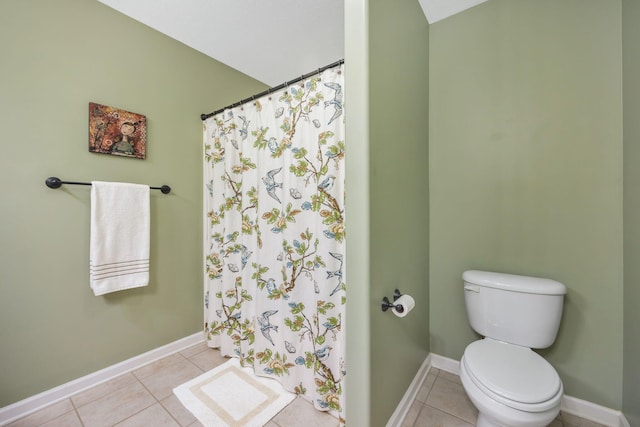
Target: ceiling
point(272, 41)
point(437, 10)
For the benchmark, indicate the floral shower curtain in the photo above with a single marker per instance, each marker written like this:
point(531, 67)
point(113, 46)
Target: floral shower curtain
point(275, 239)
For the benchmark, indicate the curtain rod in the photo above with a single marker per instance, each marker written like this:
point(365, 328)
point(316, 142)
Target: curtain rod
point(273, 89)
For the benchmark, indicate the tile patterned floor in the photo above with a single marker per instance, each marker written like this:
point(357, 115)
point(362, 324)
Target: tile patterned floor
point(145, 397)
point(442, 402)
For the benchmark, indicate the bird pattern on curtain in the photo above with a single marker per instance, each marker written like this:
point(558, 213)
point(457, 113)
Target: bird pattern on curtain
point(274, 237)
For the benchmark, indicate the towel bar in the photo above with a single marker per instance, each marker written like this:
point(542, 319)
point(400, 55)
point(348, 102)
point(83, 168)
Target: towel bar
point(54, 182)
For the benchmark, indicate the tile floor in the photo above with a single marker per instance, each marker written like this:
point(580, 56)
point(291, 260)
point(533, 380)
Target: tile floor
point(145, 397)
point(442, 402)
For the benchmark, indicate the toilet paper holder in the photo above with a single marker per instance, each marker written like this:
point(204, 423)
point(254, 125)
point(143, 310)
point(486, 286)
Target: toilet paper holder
point(386, 304)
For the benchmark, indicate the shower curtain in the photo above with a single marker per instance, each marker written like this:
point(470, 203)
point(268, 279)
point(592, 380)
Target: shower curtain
point(275, 239)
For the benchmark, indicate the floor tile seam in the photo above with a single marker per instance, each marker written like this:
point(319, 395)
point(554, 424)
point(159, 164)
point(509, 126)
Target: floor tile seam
point(169, 412)
point(150, 392)
point(195, 354)
point(48, 420)
point(158, 399)
point(426, 398)
point(438, 377)
point(428, 392)
point(449, 413)
point(136, 413)
point(195, 364)
point(75, 409)
point(188, 359)
point(78, 407)
point(139, 378)
point(75, 406)
point(422, 405)
point(569, 424)
point(155, 400)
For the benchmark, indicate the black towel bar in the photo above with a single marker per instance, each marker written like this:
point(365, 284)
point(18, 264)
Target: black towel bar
point(54, 182)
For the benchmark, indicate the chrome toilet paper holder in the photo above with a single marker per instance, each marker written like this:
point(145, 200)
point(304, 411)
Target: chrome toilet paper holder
point(386, 304)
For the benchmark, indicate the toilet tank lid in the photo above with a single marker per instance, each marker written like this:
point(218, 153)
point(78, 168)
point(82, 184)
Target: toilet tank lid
point(514, 283)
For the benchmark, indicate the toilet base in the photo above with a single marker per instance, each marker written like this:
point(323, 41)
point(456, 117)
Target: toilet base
point(484, 421)
point(520, 420)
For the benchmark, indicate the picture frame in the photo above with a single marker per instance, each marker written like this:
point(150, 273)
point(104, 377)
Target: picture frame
point(117, 132)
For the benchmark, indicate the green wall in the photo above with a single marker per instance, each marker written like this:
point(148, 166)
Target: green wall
point(399, 192)
point(526, 172)
point(631, 106)
point(357, 219)
point(56, 58)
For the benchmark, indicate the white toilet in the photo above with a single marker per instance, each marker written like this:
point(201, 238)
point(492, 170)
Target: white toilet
point(510, 384)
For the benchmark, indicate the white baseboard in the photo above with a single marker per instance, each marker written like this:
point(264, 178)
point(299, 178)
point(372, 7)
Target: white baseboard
point(593, 412)
point(31, 404)
point(571, 405)
point(445, 364)
point(403, 407)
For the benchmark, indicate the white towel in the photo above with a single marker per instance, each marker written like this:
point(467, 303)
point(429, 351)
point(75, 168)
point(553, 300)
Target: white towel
point(119, 247)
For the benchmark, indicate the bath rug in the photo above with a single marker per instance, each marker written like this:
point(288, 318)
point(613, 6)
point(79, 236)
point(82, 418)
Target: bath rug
point(232, 396)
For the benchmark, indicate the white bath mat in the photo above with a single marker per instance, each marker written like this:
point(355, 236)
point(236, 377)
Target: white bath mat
point(232, 396)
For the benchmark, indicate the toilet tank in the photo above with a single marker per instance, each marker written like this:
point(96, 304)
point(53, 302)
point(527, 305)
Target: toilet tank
point(515, 309)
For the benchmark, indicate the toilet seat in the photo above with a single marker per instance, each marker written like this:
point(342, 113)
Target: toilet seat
point(513, 375)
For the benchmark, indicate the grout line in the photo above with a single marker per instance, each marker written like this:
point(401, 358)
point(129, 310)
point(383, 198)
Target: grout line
point(94, 387)
point(75, 410)
point(40, 401)
point(423, 404)
point(442, 378)
point(157, 399)
point(146, 407)
point(449, 413)
point(136, 413)
point(202, 371)
point(170, 413)
point(437, 374)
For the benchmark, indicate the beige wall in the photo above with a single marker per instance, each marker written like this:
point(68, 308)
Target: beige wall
point(399, 196)
point(56, 58)
point(526, 172)
point(631, 91)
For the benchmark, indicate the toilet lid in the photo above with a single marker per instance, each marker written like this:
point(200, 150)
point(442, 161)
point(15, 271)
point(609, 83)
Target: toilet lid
point(512, 372)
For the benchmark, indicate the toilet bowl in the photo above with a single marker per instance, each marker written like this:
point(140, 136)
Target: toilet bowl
point(509, 383)
point(511, 386)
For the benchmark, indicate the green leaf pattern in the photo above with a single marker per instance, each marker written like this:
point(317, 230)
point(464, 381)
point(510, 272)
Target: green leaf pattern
point(275, 237)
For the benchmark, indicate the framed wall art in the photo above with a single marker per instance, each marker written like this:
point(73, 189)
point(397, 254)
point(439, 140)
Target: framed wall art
point(118, 132)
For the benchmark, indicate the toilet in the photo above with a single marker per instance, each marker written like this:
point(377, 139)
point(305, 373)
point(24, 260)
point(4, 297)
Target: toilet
point(509, 383)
